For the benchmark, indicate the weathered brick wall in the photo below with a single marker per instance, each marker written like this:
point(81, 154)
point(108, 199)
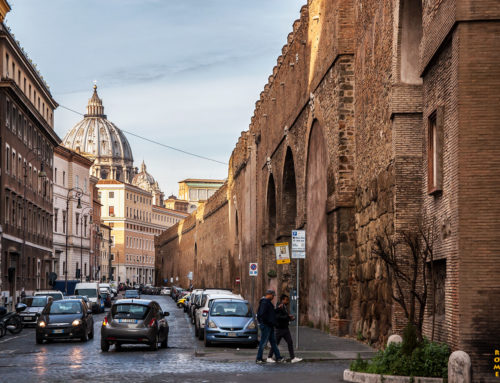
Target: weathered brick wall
point(342, 77)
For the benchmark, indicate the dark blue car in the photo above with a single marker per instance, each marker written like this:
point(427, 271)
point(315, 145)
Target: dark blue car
point(230, 321)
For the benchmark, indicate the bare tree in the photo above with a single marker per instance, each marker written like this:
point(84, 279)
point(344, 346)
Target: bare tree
point(406, 256)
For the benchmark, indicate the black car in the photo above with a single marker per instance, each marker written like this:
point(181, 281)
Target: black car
point(135, 321)
point(106, 297)
point(67, 318)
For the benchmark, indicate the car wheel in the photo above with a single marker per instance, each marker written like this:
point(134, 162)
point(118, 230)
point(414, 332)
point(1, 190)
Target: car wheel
point(118, 346)
point(164, 344)
point(154, 345)
point(196, 329)
point(104, 345)
point(201, 334)
point(39, 339)
point(91, 334)
point(85, 336)
point(206, 342)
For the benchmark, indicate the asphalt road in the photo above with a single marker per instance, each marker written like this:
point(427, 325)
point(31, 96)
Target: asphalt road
point(22, 360)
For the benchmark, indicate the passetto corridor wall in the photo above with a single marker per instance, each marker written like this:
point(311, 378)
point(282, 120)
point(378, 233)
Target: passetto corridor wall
point(377, 116)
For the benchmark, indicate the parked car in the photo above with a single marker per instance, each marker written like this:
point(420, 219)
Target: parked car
point(132, 294)
point(84, 297)
point(195, 305)
point(194, 294)
point(230, 321)
point(35, 305)
point(132, 321)
point(165, 291)
point(68, 318)
point(55, 294)
point(202, 312)
point(91, 290)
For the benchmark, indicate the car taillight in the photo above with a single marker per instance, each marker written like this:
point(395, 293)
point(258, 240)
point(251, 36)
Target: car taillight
point(205, 313)
point(152, 322)
point(105, 321)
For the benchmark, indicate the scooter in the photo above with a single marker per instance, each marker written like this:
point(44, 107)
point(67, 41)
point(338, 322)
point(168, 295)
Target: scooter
point(11, 320)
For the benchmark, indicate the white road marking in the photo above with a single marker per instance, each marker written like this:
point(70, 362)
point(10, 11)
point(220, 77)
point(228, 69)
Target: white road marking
point(14, 337)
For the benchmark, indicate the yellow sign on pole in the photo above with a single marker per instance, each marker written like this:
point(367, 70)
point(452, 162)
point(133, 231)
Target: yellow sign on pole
point(282, 253)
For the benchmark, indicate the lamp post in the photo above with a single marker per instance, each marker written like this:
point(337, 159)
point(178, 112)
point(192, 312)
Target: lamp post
point(90, 211)
point(30, 156)
point(77, 193)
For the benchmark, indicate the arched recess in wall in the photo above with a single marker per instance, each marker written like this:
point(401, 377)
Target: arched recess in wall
point(316, 233)
point(271, 209)
point(289, 194)
point(411, 35)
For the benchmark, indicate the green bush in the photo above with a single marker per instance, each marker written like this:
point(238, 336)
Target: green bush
point(429, 359)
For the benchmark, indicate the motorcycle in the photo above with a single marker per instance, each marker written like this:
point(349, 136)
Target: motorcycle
point(11, 320)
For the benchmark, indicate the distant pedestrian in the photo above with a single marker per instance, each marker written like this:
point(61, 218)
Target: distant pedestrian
point(267, 320)
point(283, 319)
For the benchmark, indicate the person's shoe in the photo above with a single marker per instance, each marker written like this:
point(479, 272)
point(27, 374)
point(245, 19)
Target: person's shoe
point(281, 360)
point(296, 360)
point(260, 361)
point(270, 360)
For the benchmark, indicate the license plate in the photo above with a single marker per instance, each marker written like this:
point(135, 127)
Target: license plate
point(127, 320)
point(57, 331)
point(231, 334)
point(28, 318)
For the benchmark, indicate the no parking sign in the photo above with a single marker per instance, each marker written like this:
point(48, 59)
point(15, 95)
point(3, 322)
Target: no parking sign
point(253, 269)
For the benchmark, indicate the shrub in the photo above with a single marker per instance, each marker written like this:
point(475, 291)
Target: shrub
point(429, 359)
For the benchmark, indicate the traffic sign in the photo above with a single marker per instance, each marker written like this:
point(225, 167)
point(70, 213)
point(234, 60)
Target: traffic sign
point(254, 269)
point(238, 280)
point(282, 254)
point(298, 244)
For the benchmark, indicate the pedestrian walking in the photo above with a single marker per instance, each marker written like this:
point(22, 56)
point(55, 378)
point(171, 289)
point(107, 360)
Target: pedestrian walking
point(267, 320)
point(283, 319)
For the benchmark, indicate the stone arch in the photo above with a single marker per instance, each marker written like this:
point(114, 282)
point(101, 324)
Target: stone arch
point(316, 232)
point(289, 193)
point(271, 209)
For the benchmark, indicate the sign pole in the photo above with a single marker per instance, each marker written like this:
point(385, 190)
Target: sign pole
point(297, 311)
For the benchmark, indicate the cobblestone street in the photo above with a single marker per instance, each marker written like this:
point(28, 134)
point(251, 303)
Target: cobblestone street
point(22, 360)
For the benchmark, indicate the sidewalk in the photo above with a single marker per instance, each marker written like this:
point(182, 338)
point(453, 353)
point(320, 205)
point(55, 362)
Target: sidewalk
point(314, 345)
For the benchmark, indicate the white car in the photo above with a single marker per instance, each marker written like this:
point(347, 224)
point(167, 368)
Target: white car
point(165, 291)
point(202, 311)
point(55, 294)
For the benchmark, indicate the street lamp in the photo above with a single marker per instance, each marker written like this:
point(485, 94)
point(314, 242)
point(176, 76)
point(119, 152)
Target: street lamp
point(30, 156)
point(90, 211)
point(73, 193)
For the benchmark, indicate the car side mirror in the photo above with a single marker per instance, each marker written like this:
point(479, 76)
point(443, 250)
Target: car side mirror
point(166, 314)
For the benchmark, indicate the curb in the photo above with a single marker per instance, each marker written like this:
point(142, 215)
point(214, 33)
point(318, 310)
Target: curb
point(363, 377)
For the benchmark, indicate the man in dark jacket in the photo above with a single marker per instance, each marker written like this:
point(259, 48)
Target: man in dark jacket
point(283, 319)
point(267, 319)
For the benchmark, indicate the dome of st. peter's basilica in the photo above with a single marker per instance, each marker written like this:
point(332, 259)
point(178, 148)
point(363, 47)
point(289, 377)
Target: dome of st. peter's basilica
point(102, 141)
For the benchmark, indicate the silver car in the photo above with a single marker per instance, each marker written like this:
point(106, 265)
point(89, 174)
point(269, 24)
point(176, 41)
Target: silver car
point(135, 321)
point(36, 304)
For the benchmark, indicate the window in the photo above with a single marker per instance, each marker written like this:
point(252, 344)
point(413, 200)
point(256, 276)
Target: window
point(7, 159)
point(111, 211)
point(14, 173)
point(77, 181)
point(7, 209)
point(64, 178)
point(111, 194)
point(77, 221)
point(85, 226)
point(55, 175)
point(7, 63)
point(56, 214)
point(435, 152)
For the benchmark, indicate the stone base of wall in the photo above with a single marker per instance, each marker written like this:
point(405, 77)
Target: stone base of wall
point(339, 327)
point(362, 377)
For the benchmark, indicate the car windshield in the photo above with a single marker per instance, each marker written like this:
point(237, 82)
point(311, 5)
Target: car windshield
point(230, 309)
point(91, 293)
point(35, 301)
point(65, 307)
point(130, 311)
point(131, 293)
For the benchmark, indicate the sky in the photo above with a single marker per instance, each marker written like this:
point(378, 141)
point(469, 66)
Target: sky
point(185, 73)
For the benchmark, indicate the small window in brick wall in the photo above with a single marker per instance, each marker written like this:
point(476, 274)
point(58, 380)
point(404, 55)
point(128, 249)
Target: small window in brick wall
point(435, 152)
point(438, 292)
